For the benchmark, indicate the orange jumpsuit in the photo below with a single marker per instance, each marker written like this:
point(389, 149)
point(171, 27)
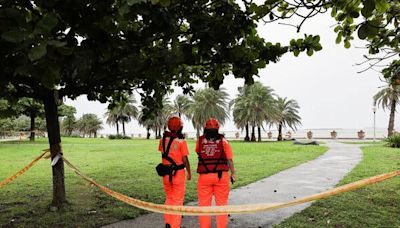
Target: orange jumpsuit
point(175, 190)
point(209, 185)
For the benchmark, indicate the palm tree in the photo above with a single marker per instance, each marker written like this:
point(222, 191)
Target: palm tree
point(241, 113)
point(69, 124)
point(161, 117)
point(181, 105)
point(261, 105)
point(387, 98)
point(89, 124)
point(112, 118)
point(208, 103)
point(122, 110)
point(253, 106)
point(68, 118)
point(286, 115)
point(157, 120)
point(33, 109)
point(127, 112)
point(146, 122)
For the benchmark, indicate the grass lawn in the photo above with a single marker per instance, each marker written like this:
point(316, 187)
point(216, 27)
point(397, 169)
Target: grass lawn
point(373, 206)
point(378, 142)
point(127, 166)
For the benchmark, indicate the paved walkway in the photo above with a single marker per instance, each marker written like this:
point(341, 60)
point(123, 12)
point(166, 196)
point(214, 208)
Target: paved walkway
point(7, 140)
point(306, 179)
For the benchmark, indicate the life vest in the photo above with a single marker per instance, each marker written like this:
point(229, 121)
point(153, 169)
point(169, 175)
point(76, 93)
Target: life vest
point(212, 158)
point(173, 167)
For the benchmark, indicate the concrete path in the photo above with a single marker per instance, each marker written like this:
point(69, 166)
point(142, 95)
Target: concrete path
point(306, 179)
point(9, 140)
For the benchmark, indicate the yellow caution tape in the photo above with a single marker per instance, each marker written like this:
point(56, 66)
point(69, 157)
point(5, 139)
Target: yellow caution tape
point(230, 209)
point(211, 210)
point(22, 171)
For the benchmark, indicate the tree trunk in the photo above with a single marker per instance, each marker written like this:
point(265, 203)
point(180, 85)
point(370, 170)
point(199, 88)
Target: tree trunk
point(116, 124)
point(123, 128)
point(259, 133)
point(148, 133)
point(53, 130)
point(179, 114)
point(197, 132)
point(253, 133)
point(391, 118)
point(247, 138)
point(32, 136)
point(280, 132)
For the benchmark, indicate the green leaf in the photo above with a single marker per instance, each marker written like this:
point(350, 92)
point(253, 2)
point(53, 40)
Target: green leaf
point(369, 6)
point(37, 52)
point(310, 52)
point(51, 76)
point(56, 43)
point(165, 3)
point(347, 44)
point(15, 36)
point(124, 9)
point(382, 5)
point(316, 39)
point(340, 17)
point(296, 52)
point(363, 31)
point(333, 12)
point(46, 24)
point(339, 38)
point(318, 47)
point(354, 14)
point(132, 2)
point(154, 2)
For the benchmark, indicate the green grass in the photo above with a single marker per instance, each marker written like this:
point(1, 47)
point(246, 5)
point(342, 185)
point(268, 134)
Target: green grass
point(376, 205)
point(378, 142)
point(127, 166)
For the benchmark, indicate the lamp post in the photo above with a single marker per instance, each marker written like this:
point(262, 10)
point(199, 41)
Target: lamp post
point(374, 110)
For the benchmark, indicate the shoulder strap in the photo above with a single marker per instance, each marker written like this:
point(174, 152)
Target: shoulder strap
point(166, 150)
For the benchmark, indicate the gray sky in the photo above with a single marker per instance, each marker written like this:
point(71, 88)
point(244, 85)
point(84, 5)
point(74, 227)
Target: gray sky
point(328, 88)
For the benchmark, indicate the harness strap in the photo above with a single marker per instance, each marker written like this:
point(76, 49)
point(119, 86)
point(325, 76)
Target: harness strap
point(165, 156)
point(204, 164)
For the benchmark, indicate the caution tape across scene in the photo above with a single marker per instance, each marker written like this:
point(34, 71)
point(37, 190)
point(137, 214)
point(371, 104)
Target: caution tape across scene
point(211, 210)
point(23, 170)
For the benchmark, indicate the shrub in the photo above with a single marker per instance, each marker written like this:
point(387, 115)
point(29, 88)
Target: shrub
point(393, 141)
point(118, 137)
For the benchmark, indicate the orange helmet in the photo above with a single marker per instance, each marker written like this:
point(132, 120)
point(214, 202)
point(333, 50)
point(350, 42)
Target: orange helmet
point(175, 123)
point(212, 123)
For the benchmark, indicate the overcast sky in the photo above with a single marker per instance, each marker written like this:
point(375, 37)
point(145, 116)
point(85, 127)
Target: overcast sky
point(327, 87)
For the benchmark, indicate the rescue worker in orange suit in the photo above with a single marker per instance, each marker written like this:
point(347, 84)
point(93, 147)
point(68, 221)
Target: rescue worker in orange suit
point(174, 142)
point(215, 161)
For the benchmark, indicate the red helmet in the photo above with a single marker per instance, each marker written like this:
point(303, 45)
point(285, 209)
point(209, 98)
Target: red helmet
point(175, 123)
point(212, 123)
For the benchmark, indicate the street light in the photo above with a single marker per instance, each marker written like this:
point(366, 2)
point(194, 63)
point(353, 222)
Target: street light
point(374, 110)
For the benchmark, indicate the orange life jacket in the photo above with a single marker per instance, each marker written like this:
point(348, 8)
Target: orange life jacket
point(212, 158)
